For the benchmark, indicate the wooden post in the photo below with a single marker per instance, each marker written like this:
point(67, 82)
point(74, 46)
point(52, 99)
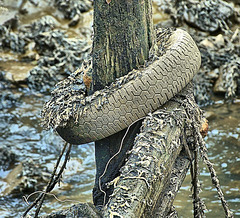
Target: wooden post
point(123, 35)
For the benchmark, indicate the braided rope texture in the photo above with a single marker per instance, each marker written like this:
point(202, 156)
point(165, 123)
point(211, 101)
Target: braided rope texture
point(159, 82)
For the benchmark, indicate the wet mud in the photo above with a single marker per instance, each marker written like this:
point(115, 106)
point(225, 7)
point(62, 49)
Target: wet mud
point(43, 42)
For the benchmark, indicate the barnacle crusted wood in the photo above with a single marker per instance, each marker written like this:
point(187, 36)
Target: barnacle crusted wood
point(175, 60)
point(141, 188)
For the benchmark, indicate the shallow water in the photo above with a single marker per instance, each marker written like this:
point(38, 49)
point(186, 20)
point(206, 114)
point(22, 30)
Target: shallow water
point(223, 143)
point(21, 133)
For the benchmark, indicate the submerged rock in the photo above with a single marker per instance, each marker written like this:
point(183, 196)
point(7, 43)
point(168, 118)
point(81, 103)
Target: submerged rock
point(7, 157)
point(8, 99)
point(25, 177)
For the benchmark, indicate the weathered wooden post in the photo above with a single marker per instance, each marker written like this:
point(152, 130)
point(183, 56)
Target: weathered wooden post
point(123, 35)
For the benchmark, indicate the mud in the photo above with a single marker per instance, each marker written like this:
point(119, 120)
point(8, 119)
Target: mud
point(55, 55)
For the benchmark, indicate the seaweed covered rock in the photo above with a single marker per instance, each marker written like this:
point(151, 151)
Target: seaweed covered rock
point(56, 54)
point(73, 8)
point(11, 41)
point(220, 66)
point(42, 78)
point(206, 15)
point(212, 24)
point(7, 157)
point(37, 27)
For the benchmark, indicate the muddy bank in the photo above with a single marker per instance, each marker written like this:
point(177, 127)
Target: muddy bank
point(42, 42)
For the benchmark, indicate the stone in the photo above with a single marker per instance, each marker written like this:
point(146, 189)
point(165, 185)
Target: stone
point(25, 177)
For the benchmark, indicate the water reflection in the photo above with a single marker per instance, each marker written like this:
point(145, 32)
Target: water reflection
point(22, 134)
point(223, 142)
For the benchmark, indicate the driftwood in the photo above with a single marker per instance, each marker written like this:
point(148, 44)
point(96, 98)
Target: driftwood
point(142, 186)
point(168, 194)
point(156, 166)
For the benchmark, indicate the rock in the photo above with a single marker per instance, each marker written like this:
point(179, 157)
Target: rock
point(236, 37)
point(57, 55)
point(207, 43)
point(8, 99)
point(17, 74)
point(210, 115)
point(8, 18)
point(6, 157)
point(72, 8)
point(40, 26)
point(207, 15)
point(75, 20)
point(12, 41)
point(12, 180)
point(4, 84)
point(227, 81)
point(165, 24)
point(30, 54)
point(219, 41)
point(25, 177)
point(219, 86)
point(234, 169)
point(202, 88)
point(42, 79)
point(35, 6)
point(220, 66)
point(214, 74)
